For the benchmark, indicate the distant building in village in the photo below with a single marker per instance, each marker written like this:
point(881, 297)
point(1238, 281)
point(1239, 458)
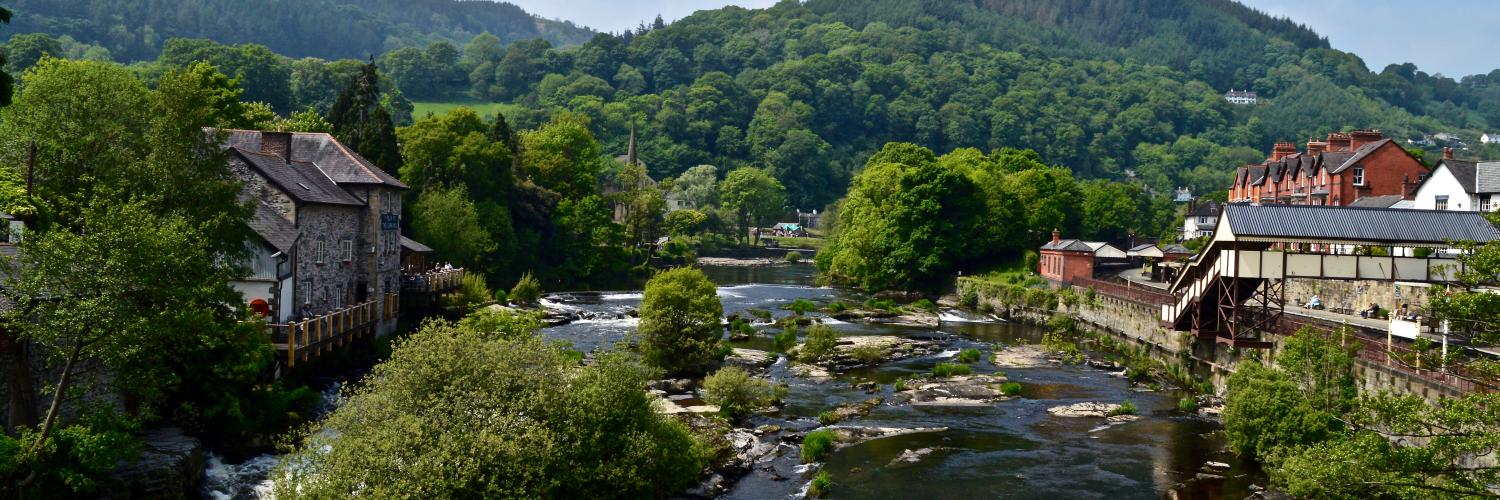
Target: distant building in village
point(1182, 195)
point(1489, 138)
point(1201, 219)
point(1459, 185)
point(1337, 172)
point(327, 223)
point(1066, 261)
point(613, 189)
point(1241, 97)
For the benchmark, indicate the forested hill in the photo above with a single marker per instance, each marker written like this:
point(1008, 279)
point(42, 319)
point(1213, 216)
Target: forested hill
point(137, 29)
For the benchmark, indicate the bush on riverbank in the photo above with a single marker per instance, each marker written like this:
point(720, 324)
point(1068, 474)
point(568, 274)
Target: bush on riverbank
point(1010, 388)
point(736, 393)
point(820, 485)
point(680, 329)
point(528, 412)
point(970, 355)
point(527, 290)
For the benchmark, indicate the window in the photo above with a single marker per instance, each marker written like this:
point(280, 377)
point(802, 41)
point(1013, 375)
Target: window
point(1359, 176)
point(1442, 202)
point(321, 252)
point(348, 250)
point(1202, 220)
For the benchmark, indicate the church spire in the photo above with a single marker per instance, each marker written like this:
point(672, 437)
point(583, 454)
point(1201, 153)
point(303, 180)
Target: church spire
point(630, 158)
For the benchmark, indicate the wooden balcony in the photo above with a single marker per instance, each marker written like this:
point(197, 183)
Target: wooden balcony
point(310, 338)
point(435, 281)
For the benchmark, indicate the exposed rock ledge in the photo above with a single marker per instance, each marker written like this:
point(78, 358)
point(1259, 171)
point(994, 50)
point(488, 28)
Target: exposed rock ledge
point(849, 436)
point(967, 390)
point(1097, 410)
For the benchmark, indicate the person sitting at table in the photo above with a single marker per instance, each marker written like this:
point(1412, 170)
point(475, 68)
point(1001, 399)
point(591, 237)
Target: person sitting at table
point(1314, 303)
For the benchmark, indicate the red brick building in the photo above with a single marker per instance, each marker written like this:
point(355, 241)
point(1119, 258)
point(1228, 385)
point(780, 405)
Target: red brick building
point(1066, 260)
point(1337, 171)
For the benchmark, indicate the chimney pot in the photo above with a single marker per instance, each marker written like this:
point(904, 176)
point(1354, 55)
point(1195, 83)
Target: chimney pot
point(1447, 153)
point(1056, 236)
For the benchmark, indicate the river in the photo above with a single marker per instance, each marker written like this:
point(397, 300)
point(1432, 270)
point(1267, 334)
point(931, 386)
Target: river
point(1012, 449)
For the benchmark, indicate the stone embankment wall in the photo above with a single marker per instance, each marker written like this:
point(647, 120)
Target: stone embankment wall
point(1356, 295)
point(1138, 320)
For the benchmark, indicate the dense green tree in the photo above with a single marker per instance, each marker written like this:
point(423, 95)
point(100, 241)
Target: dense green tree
point(698, 187)
point(24, 50)
point(447, 219)
point(754, 197)
point(681, 327)
point(361, 123)
point(265, 76)
point(563, 156)
point(531, 414)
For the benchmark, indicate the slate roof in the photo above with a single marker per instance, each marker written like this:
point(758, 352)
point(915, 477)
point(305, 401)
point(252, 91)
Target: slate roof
point(1358, 155)
point(277, 231)
point(1175, 249)
point(1207, 209)
point(337, 161)
point(411, 245)
point(301, 180)
point(1386, 201)
point(1358, 224)
point(1068, 246)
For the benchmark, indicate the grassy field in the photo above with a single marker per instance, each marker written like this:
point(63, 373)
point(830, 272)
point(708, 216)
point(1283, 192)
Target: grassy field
point(1010, 273)
point(485, 109)
point(787, 242)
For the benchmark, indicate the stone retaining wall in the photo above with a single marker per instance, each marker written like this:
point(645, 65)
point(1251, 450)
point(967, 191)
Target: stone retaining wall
point(1139, 322)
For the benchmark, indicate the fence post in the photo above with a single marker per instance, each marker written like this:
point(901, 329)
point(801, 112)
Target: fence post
point(291, 344)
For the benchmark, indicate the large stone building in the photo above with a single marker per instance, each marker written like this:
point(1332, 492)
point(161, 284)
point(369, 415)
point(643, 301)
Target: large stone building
point(328, 223)
point(1335, 172)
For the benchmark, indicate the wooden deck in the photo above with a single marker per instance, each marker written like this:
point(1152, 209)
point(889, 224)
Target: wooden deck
point(302, 341)
point(435, 281)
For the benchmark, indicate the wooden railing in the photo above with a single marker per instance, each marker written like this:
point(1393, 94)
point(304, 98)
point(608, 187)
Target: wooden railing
point(436, 281)
point(313, 337)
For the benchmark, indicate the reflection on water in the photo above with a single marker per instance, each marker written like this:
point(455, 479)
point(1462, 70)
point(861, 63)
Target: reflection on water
point(1014, 449)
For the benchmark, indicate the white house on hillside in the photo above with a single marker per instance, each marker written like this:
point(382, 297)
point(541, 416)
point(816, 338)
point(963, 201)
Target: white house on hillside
point(1462, 186)
point(1489, 138)
point(1201, 219)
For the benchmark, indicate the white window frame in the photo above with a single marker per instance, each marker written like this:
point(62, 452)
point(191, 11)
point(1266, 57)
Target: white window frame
point(322, 252)
point(348, 249)
point(1359, 176)
point(1440, 202)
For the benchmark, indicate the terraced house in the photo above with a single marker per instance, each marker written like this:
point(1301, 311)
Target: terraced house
point(328, 223)
point(1337, 171)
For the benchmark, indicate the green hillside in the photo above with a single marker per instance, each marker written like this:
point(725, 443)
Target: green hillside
point(135, 30)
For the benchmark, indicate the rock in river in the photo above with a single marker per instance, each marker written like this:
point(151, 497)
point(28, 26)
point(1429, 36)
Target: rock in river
point(968, 390)
point(1098, 410)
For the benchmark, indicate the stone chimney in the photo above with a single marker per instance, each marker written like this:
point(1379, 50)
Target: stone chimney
point(278, 144)
point(1056, 236)
point(1315, 147)
point(1362, 137)
point(1283, 150)
point(1338, 142)
point(1447, 153)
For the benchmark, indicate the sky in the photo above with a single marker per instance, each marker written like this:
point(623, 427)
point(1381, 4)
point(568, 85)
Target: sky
point(1452, 37)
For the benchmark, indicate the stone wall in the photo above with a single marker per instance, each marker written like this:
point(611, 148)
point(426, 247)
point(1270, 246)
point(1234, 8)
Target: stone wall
point(330, 284)
point(1356, 295)
point(261, 189)
point(1139, 323)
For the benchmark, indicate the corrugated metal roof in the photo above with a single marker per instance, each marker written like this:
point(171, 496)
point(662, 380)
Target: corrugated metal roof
point(1334, 224)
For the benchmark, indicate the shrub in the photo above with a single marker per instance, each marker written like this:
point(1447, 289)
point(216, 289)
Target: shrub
point(1126, 408)
point(1032, 260)
point(820, 342)
point(801, 307)
point(501, 297)
point(900, 384)
point(830, 418)
point(736, 393)
point(924, 304)
point(794, 256)
point(970, 355)
point(680, 327)
point(945, 370)
point(837, 306)
point(760, 314)
point(816, 446)
point(527, 290)
point(1187, 404)
point(880, 304)
point(969, 298)
point(820, 485)
point(868, 354)
point(787, 338)
point(1010, 388)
